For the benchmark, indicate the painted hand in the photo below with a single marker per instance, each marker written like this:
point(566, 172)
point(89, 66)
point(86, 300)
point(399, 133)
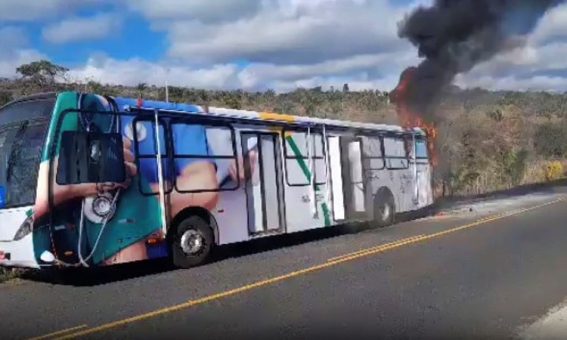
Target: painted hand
point(251, 161)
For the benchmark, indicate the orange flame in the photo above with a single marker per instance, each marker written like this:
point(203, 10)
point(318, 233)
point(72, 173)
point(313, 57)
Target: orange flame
point(410, 119)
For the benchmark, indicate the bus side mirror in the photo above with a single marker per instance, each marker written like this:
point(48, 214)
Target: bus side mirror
point(86, 157)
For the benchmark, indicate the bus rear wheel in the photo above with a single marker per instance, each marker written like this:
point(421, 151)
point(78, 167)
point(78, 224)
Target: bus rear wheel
point(384, 209)
point(192, 242)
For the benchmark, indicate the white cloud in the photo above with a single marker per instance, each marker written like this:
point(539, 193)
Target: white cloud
point(287, 43)
point(32, 10)
point(202, 10)
point(82, 29)
point(515, 83)
point(539, 65)
point(361, 72)
point(135, 71)
point(375, 66)
point(552, 27)
point(28, 10)
point(291, 32)
point(15, 50)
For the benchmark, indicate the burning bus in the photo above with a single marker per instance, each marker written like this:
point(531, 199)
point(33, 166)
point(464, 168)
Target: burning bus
point(89, 180)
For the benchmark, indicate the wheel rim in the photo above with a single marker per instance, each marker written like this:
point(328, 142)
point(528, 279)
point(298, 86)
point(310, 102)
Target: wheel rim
point(192, 242)
point(385, 211)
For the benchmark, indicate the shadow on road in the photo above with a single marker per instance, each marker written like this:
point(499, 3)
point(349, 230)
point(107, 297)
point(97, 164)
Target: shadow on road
point(103, 275)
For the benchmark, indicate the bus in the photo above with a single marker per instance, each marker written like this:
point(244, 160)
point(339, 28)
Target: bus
point(88, 180)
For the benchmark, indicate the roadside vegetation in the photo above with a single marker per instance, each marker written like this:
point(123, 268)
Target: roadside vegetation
point(487, 140)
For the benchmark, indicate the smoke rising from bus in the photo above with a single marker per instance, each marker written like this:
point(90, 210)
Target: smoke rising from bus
point(453, 36)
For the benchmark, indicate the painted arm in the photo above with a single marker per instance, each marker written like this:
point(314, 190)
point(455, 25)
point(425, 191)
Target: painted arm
point(196, 176)
point(252, 157)
point(65, 193)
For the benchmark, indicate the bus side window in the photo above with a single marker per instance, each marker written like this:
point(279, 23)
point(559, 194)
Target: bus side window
point(372, 153)
point(146, 148)
point(395, 153)
point(296, 152)
point(421, 149)
point(195, 143)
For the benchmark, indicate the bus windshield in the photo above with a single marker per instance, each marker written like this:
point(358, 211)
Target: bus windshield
point(22, 135)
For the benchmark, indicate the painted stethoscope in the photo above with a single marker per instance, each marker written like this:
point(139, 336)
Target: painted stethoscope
point(102, 207)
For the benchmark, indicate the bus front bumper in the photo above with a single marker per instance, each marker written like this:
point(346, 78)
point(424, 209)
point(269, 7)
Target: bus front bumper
point(18, 253)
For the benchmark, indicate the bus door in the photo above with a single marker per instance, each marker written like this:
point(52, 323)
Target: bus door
point(264, 184)
point(354, 187)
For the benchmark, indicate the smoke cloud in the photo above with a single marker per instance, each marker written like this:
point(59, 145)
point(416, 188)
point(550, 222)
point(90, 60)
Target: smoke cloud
point(455, 35)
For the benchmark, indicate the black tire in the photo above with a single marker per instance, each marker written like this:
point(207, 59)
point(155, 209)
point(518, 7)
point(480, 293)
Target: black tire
point(186, 251)
point(61, 276)
point(384, 208)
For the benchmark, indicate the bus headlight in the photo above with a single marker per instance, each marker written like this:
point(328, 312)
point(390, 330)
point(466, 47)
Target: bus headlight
point(99, 208)
point(25, 229)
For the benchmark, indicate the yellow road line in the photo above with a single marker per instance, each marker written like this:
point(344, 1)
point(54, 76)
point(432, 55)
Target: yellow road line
point(389, 244)
point(61, 332)
point(348, 258)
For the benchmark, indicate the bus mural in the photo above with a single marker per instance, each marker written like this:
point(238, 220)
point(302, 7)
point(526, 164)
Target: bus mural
point(88, 180)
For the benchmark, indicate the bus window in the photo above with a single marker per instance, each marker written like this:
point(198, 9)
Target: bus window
point(21, 149)
point(28, 110)
point(297, 158)
point(395, 153)
point(421, 149)
point(196, 143)
point(372, 153)
point(146, 148)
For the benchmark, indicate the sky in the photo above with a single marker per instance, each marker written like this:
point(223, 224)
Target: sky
point(253, 44)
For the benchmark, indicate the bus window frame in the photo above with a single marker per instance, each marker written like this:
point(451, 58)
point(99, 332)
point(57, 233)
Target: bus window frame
point(40, 120)
point(421, 159)
point(289, 157)
point(206, 123)
point(147, 116)
point(402, 137)
point(380, 138)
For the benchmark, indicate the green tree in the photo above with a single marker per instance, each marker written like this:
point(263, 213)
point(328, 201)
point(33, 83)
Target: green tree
point(142, 87)
point(42, 72)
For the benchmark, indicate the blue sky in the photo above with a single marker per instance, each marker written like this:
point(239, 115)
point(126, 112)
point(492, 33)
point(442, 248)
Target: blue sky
point(278, 44)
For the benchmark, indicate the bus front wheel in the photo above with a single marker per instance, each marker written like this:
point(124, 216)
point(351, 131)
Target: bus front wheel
point(192, 242)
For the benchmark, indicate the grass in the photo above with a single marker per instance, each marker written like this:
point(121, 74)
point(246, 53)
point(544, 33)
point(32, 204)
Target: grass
point(8, 274)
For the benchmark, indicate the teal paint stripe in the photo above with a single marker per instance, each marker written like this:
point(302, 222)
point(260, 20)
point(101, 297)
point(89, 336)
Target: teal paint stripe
point(307, 173)
point(326, 214)
point(299, 157)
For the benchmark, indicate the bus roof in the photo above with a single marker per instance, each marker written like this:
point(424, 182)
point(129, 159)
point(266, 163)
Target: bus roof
point(128, 103)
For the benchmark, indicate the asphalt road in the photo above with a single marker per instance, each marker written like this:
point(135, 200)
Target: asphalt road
point(466, 275)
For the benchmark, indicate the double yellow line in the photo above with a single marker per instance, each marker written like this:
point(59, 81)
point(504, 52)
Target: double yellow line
point(59, 333)
point(329, 263)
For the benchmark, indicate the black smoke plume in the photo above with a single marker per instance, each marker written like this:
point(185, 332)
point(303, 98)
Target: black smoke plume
point(455, 35)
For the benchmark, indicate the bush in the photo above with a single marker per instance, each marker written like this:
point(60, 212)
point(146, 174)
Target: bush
point(5, 97)
point(553, 170)
point(550, 140)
